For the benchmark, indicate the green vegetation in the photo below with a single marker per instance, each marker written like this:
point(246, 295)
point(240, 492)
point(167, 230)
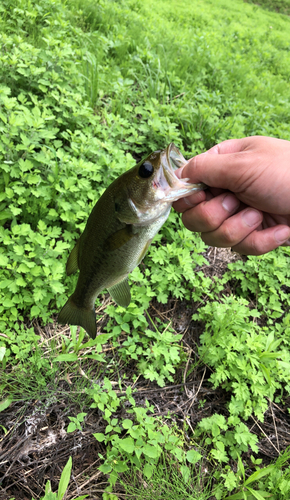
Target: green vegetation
point(63, 484)
point(282, 6)
point(86, 89)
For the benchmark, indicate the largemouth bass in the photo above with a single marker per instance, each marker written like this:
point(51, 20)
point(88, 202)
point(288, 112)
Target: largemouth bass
point(119, 231)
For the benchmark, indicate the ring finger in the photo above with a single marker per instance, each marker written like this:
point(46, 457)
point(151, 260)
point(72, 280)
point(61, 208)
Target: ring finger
point(234, 229)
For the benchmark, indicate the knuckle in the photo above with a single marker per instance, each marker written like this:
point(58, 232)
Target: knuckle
point(227, 235)
point(255, 248)
point(188, 221)
point(250, 246)
point(208, 217)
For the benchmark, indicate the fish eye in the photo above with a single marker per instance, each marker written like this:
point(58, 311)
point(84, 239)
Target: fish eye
point(146, 170)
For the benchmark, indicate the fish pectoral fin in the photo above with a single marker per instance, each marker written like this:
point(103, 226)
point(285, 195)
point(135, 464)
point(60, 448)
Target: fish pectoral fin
point(72, 263)
point(71, 314)
point(119, 238)
point(144, 250)
point(120, 293)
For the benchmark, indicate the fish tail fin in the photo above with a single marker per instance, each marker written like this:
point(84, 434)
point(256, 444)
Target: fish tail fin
point(72, 314)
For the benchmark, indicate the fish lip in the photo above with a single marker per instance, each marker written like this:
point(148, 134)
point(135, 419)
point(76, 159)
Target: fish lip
point(166, 178)
point(171, 186)
point(166, 185)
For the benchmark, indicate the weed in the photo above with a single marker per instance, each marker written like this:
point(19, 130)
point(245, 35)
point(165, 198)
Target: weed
point(166, 482)
point(63, 484)
point(228, 437)
point(246, 358)
point(138, 440)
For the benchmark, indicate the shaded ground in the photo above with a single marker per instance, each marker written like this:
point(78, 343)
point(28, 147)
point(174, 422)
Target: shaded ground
point(36, 446)
point(281, 6)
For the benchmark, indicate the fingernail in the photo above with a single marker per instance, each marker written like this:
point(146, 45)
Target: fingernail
point(282, 234)
point(251, 217)
point(230, 203)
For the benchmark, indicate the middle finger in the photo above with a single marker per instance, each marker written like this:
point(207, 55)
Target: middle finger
point(209, 215)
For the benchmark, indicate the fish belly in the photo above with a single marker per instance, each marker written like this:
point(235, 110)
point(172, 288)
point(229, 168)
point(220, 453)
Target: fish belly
point(113, 266)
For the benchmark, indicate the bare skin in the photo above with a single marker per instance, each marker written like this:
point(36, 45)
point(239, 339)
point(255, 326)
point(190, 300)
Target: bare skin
point(247, 204)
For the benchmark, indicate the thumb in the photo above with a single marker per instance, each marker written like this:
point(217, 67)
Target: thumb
point(217, 167)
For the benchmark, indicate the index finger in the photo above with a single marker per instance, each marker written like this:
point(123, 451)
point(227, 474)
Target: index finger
point(219, 166)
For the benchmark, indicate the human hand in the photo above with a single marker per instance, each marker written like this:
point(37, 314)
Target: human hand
point(247, 204)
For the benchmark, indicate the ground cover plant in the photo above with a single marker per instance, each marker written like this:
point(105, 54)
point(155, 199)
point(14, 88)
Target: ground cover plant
point(189, 384)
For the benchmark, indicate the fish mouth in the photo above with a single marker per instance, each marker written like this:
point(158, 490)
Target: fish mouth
point(168, 186)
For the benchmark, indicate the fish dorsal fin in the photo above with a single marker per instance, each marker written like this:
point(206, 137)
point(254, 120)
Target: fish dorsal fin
point(72, 263)
point(120, 293)
point(119, 238)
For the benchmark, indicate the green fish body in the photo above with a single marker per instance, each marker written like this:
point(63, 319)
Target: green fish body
point(119, 231)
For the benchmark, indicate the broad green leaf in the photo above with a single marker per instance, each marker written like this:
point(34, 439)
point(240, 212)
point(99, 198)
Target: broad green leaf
point(2, 353)
point(125, 327)
point(241, 467)
point(127, 444)
point(5, 403)
point(259, 474)
point(185, 471)
point(192, 456)
point(121, 467)
point(50, 496)
point(135, 433)
point(268, 356)
point(48, 487)
point(8, 302)
point(150, 451)
point(81, 416)
point(99, 436)
point(148, 470)
point(35, 310)
point(127, 423)
point(102, 338)
point(259, 495)
point(4, 215)
point(215, 430)
point(105, 468)
point(66, 357)
point(3, 260)
point(98, 357)
point(266, 373)
point(64, 479)
point(71, 427)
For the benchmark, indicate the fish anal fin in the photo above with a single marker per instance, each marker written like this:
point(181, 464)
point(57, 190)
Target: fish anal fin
point(72, 263)
point(120, 293)
point(71, 314)
point(119, 238)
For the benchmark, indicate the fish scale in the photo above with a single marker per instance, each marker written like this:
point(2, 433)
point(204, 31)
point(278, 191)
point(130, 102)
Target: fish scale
point(119, 231)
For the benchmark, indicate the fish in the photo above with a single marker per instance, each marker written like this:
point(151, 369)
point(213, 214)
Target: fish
point(119, 231)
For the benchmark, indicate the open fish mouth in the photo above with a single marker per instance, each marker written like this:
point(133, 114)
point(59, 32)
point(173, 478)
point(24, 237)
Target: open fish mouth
point(170, 187)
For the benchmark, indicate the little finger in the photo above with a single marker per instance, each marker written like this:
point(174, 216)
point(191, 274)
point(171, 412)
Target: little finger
point(260, 242)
